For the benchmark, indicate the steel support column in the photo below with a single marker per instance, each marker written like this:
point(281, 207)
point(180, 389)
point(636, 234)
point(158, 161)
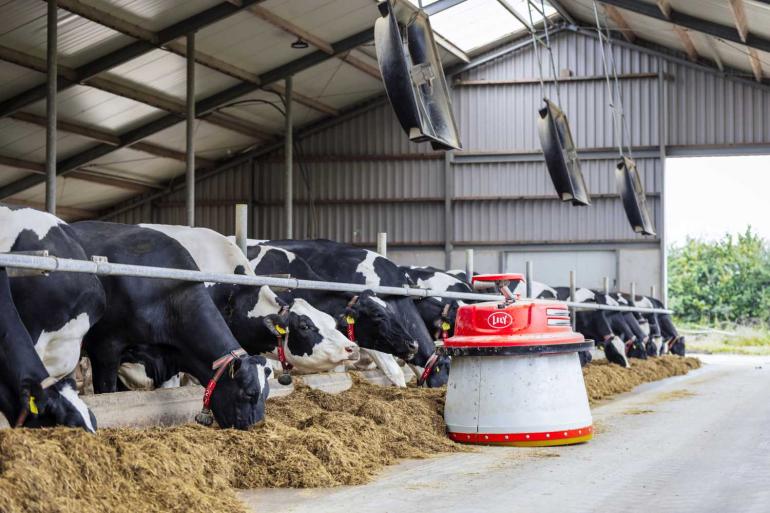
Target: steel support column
point(448, 214)
point(289, 152)
point(190, 133)
point(662, 140)
point(50, 107)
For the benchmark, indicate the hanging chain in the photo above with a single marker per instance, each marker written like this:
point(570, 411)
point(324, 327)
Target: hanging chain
point(624, 126)
point(616, 114)
point(537, 43)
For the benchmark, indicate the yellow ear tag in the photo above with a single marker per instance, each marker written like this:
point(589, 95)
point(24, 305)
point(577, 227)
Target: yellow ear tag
point(445, 326)
point(350, 319)
point(280, 330)
point(32, 405)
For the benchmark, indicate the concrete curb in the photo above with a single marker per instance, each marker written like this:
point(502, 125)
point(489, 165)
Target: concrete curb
point(173, 406)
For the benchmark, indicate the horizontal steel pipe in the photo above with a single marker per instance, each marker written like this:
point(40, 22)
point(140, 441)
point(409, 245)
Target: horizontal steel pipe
point(104, 268)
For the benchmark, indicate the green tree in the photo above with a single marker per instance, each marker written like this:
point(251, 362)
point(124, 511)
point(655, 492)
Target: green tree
point(724, 280)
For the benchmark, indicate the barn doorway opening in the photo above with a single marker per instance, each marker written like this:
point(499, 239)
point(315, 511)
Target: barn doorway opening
point(707, 197)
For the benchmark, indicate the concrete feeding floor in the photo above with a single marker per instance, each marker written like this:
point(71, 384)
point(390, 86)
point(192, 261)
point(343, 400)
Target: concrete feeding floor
point(696, 443)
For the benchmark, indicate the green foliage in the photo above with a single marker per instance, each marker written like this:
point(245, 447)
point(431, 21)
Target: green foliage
point(722, 281)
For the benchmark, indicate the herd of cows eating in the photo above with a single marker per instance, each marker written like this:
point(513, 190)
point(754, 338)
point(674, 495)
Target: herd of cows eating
point(144, 333)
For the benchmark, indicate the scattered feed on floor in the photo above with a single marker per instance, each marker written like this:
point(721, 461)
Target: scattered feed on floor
point(311, 439)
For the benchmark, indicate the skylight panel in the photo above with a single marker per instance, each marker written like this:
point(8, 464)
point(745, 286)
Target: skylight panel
point(475, 23)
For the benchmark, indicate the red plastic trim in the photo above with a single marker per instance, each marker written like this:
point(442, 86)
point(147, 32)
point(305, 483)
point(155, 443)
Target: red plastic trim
point(501, 438)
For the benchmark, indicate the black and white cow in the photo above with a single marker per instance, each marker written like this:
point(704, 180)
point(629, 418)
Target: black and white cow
point(334, 261)
point(376, 327)
point(55, 312)
point(672, 342)
point(178, 316)
point(608, 329)
point(434, 310)
point(313, 344)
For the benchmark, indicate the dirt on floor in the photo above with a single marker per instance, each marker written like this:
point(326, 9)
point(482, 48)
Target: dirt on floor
point(311, 439)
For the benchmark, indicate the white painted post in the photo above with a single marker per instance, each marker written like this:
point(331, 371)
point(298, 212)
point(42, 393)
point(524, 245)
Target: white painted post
point(652, 290)
point(469, 264)
point(382, 244)
point(607, 285)
point(242, 226)
point(633, 293)
point(528, 277)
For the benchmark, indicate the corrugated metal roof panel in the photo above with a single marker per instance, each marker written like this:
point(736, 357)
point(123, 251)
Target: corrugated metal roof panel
point(27, 142)
point(15, 79)
point(153, 14)
point(23, 28)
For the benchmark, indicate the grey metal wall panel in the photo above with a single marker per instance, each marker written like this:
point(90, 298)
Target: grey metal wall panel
point(707, 109)
point(532, 179)
point(519, 222)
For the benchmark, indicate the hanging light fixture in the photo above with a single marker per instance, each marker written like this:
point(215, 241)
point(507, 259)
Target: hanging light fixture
point(299, 44)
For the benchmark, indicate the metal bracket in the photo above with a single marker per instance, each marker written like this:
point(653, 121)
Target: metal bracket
point(99, 259)
point(18, 272)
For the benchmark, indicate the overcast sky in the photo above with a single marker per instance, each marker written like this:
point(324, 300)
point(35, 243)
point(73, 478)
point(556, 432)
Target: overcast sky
point(707, 197)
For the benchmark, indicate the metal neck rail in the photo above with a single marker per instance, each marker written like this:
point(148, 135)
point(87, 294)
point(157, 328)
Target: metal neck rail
point(100, 266)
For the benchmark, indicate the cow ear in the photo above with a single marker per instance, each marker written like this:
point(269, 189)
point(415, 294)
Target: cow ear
point(276, 324)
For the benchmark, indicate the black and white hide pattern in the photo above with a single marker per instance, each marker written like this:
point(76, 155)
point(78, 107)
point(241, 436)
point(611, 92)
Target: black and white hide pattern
point(334, 261)
point(45, 320)
point(626, 322)
point(377, 326)
point(672, 341)
point(597, 325)
point(314, 344)
point(178, 317)
point(432, 308)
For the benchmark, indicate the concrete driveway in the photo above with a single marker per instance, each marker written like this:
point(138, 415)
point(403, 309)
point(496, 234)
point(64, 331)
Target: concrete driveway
point(697, 443)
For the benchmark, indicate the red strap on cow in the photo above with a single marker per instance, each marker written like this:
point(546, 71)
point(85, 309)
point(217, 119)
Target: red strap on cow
point(629, 345)
point(282, 354)
point(428, 369)
point(219, 365)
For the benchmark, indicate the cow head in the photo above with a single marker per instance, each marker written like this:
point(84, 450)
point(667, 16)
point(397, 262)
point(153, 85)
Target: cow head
point(315, 344)
point(677, 346)
point(438, 374)
point(59, 405)
point(615, 351)
point(377, 325)
point(238, 401)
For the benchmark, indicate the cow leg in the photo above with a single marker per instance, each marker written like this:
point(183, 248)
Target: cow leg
point(105, 362)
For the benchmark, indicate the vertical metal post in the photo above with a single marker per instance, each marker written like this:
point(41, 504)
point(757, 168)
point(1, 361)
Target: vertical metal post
point(572, 287)
point(289, 151)
point(652, 290)
point(606, 284)
point(252, 180)
point(190, 133)
point(242, 226)
point(469, 264)
point(50, 106)
point(448, 215)
point(528, 277)
point(662, 142)
point(382, 244)
point(633, 293)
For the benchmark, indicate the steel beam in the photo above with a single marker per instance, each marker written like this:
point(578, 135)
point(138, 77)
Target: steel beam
point(126, 53)
point(288, 150)
point(202, 107)
point(563, 12)
point(190, 131)
point(131, 29)
point(52, 51)
point(441, 5)
point(692, 22)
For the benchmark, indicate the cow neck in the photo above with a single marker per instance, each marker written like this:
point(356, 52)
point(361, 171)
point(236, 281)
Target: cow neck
point(206, 338)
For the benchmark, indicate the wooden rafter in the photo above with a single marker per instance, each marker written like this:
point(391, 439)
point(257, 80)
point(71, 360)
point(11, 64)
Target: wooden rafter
point(741, 22)
point(756, 65)
point(620, 22)
point(106, 137)
point(714, 52)
point(82, 174)
point(689, 46)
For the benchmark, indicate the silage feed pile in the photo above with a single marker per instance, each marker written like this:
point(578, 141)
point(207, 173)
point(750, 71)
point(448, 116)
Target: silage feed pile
point(604, 380)
point(311, 439)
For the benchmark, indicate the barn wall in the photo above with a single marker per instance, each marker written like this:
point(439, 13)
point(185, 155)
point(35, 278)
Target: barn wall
point(366, 176)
